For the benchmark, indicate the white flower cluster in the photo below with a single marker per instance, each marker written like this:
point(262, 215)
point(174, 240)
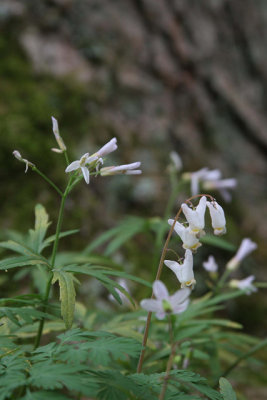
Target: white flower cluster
point(245, 248)
point(87, 163)
point(191, 233)
point(211, 180)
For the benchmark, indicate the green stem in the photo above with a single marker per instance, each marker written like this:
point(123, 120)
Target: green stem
point(66, 157)
point(170, 361)
point(53, 258)
point(223, 278)
point(47, 180)
point(171, 201)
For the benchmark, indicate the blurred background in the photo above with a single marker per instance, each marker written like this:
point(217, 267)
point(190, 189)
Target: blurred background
point(168, 75)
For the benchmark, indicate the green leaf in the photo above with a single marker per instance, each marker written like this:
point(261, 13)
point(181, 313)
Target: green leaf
point(27, 314)
point(41, 225)
point(21, 261)
point(67, 295)
point(44, 394)
point(50, 239)
point(17, 247)
point(218, 242)
point(128, 228)
point(226, 389)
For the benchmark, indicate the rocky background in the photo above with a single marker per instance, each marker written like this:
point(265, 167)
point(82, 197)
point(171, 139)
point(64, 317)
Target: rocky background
point(160, 75)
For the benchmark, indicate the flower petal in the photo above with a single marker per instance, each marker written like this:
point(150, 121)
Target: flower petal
point(73, 166)
point(86, 174)
point(179, 297)
point(160, 315)
point(151, 305)
point(160, 291)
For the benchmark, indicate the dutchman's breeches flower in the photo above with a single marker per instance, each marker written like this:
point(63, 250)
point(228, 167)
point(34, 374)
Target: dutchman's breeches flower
point(210, 265)
point(127, 169)
point(184, 272)
point(218, 221)
point(164, 303)
point(200, 176)
point(244, 284)
point(18, 156)
point(82, 164)
point(246, 247)
point(196, 218)
point(190, 241)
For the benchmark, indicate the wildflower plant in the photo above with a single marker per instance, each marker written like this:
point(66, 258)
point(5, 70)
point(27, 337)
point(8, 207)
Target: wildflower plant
point(53, 346)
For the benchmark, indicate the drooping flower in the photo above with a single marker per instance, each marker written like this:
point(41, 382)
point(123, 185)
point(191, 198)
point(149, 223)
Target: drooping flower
point(164, 303)
point(18, 156)
point(59, 139)
point(210, 265)
point(82, 164)
point(124, 299)
point(196, 218)
point(244, 284)
point(184, 272)
point(246, 247)
point(190, 241)
point(127, 169)
point(217, 218)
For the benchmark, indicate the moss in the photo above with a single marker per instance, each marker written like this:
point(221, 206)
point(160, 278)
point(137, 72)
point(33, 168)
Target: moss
point(26, 103)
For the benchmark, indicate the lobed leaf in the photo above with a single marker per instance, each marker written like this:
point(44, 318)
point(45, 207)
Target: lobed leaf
point(67, 295)
point(37, 235)
point(226, 389)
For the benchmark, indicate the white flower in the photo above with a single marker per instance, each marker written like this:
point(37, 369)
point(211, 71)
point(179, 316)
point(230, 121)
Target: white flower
point(127, 169)
point(82, 164)
point(196, 218)
point(123, 297)
point(59, 139)
point(200, 175)
point(190, 241)
point(210, 265)
point(18, 156)
point(244, 284)
point(211, 180)
point(164, 303)
point(107, 148)
point(222, 186)
point(246, 247)
point(217, 218)
point(176, 160)
point(184, 272)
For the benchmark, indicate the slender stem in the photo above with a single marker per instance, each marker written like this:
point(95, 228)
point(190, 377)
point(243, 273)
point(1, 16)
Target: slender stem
point(163, 254)
point(170, 361)
point(66, 157)
point(53, 257)
point(223, 278)
point(169, 207)
point(47, 180)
